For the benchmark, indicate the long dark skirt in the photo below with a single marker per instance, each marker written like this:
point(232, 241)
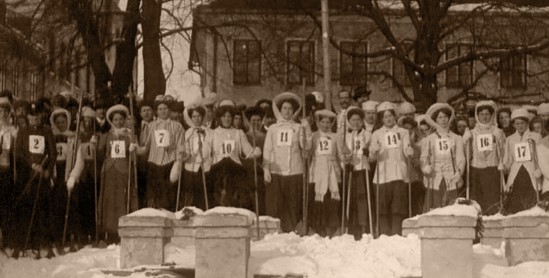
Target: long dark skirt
point(229, 188)
point(393, 206)
point(284, 198)
point(192, 192)
point(486, 188)
point(323, 215)
point(249, 181)
point(358, 207)
point(6, 206)
point(27, 193)
point(522, 195)
point(85, 194)
point(161, 193)
point(439, 198)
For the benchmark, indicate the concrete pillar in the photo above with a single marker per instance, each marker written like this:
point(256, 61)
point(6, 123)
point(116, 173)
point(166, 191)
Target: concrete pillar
point(222, 245)
point(267, 225)
point(142, 239)
point(447, 246)
point(526, 238)
point(183, 233)
point(493, 232)
point(409, 226)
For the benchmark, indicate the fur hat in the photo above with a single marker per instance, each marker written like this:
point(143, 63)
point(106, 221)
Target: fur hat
point(543, 109)
point(319, 97)
point(434, 109)
point(385, 106)
point(370, 105)
point(406, 108)
point(5, 103)
point(117, 108)
point(88, 112)
point(520, 113)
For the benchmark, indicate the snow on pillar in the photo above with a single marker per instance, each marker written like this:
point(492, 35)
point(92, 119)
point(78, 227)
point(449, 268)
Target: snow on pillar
point(222, 245)
point(447, 242)
point(409, 226)
point(526, 236)
point(143, 235)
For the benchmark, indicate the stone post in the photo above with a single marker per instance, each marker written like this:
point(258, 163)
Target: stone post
point(267, 225)
point(222, 245)
point(142, 239)
point(526, 238)
point(183, 232)
point(409, 226)
point(493, 232)
point(446, 246)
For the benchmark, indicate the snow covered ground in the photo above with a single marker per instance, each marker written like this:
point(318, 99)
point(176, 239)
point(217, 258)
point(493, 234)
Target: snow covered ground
point(314, 256)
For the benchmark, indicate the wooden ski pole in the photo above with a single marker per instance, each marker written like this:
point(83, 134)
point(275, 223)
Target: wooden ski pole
point(468, 161)
point(369, 200)
point(343, 207)
point(348, 203)
point(95, 199)
point(256, 186)
point(133, 156)
point(177, 197)
point(536, 165)
point(306, 164)
point(36, 197)
point(409, 187)
point(204, 187)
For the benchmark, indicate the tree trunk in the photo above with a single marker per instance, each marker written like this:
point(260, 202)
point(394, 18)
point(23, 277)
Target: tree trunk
point(126, 51)
point(155, 82)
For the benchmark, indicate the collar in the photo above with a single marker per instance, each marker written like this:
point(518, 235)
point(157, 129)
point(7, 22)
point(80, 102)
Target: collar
point(100, 121)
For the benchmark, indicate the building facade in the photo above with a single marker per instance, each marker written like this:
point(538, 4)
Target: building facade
point(247, 52)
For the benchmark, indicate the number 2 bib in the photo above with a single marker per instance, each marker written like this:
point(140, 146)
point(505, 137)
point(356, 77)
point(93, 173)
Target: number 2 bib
point(485, 142)
point(392, 140)
point(284, 137)
point(522, 152)
point(37, 144)
point(118, 149)
point(162, 138)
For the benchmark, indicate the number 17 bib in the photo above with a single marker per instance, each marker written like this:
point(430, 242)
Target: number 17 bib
point(522, 152)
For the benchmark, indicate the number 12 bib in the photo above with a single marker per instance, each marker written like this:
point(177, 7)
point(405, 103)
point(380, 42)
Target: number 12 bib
point(324, 145)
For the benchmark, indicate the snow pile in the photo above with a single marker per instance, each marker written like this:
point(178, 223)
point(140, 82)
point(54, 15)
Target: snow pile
point(528, 269)
point(86, 263)
point(455, 210)
point(150, 212)
point(497, 216)
point(231, 210)
point(535, 211)
point(340, 257)
point(186, 211)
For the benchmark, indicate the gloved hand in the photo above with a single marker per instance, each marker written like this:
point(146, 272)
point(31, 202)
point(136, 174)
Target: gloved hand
point(305, 124)
point(375, 148)
point(70, 183)
point(501, 167)
point(266, 175)
point(37, 168)
point(175, 172)
point(133, 147)
point(427, 169)
point(467, 135)
point(255, 153)
point(537, 173)
point(409, 151)
point(93, 139)
point(456, 179)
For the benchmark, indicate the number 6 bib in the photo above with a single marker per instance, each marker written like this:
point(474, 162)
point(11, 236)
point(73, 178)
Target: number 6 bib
point(162, 138)
point(284, 137)
point(118, 149)
point(522, 152)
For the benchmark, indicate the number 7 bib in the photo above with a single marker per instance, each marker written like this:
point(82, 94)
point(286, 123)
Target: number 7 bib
point(162, 138)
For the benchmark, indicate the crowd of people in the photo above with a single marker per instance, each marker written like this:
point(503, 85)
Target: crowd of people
point(71, 168)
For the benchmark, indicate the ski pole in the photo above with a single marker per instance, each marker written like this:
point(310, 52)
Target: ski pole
point(368, 196)
point(536, 165)
point(37, 196)
point(377, 194)
point(409, 187)
point(67, 209)
point(348, 203)
point(467, 160)
point(203, 173)
point(256, 186)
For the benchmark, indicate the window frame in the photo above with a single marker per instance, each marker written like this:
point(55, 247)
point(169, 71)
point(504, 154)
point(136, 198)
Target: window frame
point(511, 71)
point(460, 83)
point(309, 80)
point(246, 74)
point(405, 82)
point(354, 81)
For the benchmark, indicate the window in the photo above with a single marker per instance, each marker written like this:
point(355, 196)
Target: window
point(300, 62)
point(247, 62)
point(399, 72)
point(513, 71)
point(353, 64)
point(461, 75)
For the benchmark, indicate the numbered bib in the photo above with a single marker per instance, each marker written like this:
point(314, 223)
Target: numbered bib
point(87, 151)
point(391, 140)
point(485, 142)
point(62, 149)
point(324, 146)
point(118, 149)
point(227, 147)
point(442, 146)
point(284, 137)
point(162, 138)
point(37, 144)
point(522, 152)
